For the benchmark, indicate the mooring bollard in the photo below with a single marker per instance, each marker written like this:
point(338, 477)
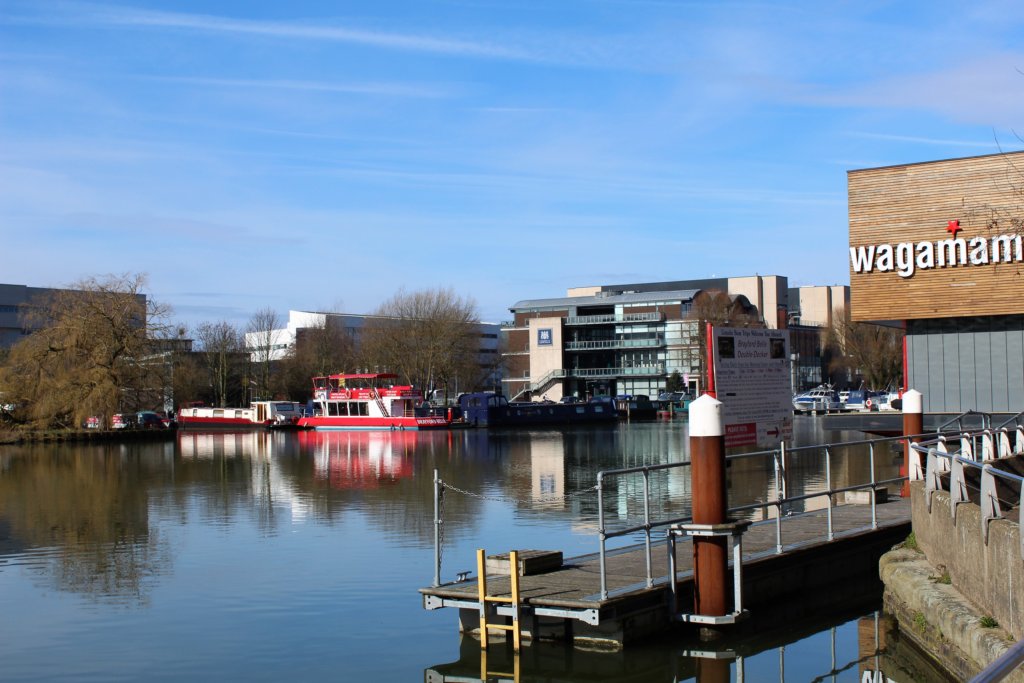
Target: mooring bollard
point(913, 424)
point(707, 471)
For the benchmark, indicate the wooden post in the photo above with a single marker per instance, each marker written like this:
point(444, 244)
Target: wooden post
point(913, 424)
point(707, 471)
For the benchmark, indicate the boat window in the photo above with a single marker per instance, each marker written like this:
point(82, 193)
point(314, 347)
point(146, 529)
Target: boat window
point(343, 408)
point(332, 408)
point(363, 408)
point(320, 382)
point(218, 413)
point(238, 413)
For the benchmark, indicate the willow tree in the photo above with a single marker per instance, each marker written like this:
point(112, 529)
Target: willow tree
point(430, 338)
point(94, 349)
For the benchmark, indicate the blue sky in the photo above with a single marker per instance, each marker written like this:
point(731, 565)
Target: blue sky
point(322, 155)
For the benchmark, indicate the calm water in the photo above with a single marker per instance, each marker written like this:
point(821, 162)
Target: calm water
point(272, 556)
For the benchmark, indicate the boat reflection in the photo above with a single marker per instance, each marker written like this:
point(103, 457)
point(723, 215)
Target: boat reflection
point(360, 460)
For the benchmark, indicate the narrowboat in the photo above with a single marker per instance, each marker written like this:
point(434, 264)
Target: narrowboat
point(259, 415)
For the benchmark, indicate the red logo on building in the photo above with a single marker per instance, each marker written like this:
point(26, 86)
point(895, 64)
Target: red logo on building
point(953, 227)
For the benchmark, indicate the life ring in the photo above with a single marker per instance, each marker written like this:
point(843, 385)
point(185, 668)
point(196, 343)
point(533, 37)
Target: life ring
point(868, 404)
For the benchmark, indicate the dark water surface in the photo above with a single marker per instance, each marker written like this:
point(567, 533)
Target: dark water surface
point(269, 556)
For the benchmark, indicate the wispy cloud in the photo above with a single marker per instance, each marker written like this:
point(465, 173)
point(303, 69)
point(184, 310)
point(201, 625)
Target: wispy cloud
point(916, 139)
point(108, 15)
point(387, 89)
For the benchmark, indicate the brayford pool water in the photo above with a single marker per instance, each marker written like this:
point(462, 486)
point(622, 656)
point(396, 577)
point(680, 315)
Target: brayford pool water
point(268, 556)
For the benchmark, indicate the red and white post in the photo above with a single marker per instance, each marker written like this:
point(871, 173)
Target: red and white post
point(913, 425)
point(707, 471)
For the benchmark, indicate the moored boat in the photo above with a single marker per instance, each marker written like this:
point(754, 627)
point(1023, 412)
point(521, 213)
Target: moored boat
point(821, 399)
point(259, 415)
point(487, 409)
point(367, 401)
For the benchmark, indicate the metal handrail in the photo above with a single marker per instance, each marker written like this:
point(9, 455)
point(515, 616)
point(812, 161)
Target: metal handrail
point(986, 420)
point(557, 373)
point(989, 504)
point(1017, 420)
point(782, 500)
point(1003, 666)
point(940, 463)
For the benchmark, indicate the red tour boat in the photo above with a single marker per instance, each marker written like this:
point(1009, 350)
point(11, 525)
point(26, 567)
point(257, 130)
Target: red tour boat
point(367, 401)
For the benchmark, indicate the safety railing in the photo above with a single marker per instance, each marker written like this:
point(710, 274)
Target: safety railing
point(781, 503)
point(946, 470)
point(557, 373)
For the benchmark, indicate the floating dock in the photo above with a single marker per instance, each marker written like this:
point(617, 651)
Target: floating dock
point(565, 603)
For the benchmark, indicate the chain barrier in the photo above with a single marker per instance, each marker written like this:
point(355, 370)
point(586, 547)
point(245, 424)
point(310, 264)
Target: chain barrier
point(444, 486)
point(507, 499)
point(440, 525)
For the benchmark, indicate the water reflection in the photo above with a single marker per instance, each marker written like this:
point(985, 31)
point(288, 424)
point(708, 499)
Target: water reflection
point(865, 646)
point(90, 506)
point(76, 520)
point(312, 532)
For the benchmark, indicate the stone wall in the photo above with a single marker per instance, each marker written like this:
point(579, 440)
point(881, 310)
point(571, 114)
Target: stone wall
point(990, 575)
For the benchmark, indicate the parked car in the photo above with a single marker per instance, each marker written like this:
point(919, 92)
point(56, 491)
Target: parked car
point(124, 421)
point(147, 419)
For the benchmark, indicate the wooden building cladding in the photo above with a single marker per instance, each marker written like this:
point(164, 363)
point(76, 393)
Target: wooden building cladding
point(914, 204)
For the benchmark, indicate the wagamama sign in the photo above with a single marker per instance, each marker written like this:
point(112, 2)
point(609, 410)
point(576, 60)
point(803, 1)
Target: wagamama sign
point(905, 258)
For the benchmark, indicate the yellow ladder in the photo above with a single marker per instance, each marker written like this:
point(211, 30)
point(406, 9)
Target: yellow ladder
point(512, 599)
point(504, 676)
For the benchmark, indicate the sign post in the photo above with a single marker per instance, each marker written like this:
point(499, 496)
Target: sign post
point(751, 371)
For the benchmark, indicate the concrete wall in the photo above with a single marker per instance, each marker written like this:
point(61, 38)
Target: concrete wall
point(546, 357)
point(990, 575)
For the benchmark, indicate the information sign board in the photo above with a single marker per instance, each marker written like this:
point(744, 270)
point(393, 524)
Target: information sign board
point(752, 380)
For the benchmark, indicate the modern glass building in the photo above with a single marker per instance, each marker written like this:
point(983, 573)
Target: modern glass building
point(625, 339)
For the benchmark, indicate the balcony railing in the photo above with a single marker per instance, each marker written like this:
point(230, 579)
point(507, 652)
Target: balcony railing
point(650, 369)
point(595, 345)
point(647, 370)
point(613, 318)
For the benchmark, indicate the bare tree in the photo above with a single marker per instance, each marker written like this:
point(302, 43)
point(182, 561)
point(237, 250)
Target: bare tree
point(95, 349)
point(873, 351)
point(263, 334)
point(221, 346)
point(720, 310)
point(430, 338)
point(321, 350)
